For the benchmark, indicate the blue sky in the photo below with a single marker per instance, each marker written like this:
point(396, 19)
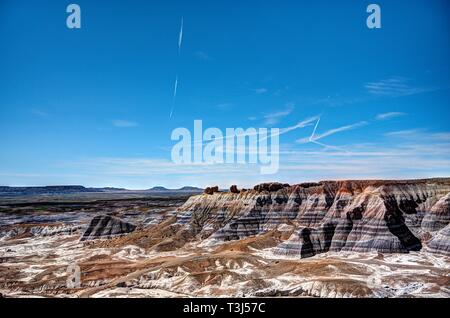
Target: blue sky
point(91, 106)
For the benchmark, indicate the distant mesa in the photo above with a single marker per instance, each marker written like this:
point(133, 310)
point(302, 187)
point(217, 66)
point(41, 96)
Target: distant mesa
point(185, 188)
point(188, 188)
point(158, 189)
point(74, 189)
point(49, 190)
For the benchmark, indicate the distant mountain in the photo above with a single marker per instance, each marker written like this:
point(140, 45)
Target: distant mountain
point(185, 188)
point(159, 188)
point(188, 188)
point(49, 190)
point(73, 189)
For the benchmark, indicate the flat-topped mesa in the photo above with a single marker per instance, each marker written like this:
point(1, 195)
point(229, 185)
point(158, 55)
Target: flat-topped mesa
point(350, 215)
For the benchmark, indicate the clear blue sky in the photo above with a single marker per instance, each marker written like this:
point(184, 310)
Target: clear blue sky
point(91, 106)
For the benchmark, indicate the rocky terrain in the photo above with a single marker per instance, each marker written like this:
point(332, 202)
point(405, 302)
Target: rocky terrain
point(372, 238)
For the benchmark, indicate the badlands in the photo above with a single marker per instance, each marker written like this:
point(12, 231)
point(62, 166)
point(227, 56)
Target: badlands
point(367, 238)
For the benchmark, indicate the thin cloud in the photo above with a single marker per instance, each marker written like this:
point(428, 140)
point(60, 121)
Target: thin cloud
point(120, 123)
point(260, 91)
point(389, 115)
point(394, 87)
point(224, 106)
point(375, 161)
point(420, 134)
point(39, 113)
point(302, 124)
point(274, 118)
point(202, 56)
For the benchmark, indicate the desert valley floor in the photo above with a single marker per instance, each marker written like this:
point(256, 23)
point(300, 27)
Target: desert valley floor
point(243, 244)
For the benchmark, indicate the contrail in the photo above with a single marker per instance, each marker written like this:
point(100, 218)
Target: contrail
point(302, 124)
point(175, 87)
point(313, 138)
point(180, 42)
point(180, 37)
point(174, 96)
point(314, 131)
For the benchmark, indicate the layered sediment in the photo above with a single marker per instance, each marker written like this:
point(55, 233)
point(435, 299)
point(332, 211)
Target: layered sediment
point(359, 216)
point(106, 227)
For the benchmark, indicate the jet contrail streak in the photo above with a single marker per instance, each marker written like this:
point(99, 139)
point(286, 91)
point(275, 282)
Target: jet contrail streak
point(174, 96)
point(314, 131)
point(175, 87)
point(180, 42)
point(314, 139)
point(180, 37)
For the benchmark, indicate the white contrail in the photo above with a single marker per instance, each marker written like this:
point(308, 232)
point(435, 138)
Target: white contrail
point(340, 129)
point(174, 96)
point(175, 87)
point(314, 131)
point(180, 42)
point(314, 139)
point(281, 131)
point(180, 37)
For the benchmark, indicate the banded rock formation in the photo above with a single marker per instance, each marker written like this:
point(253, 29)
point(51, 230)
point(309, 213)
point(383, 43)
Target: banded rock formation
point(106, 227)
point(361, 216)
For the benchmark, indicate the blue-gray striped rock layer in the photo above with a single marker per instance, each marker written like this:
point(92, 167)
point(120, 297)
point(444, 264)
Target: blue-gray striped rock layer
point(371, 215)
point(106, 227)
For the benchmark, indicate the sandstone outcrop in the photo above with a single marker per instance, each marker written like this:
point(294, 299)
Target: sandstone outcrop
point(270, 187)
point(106, 227)
point(234, 189)
point(211, 190)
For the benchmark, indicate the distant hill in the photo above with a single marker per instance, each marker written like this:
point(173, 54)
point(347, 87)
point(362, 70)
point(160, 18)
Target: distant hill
point(188, 188)
point(73, 189)
point(185, 188)
point(49, 190)
point(158, 189)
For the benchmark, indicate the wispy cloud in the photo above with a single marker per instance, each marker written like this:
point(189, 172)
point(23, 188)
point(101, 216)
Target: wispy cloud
point(395, 87)
point(121, 123)
point(302, 124)
point(385, 116)
point(275, 117)
point(420, 135)
point(224, 106)
point(202, 56)
point(39, 113)
point(260, 91)
point(357, 162)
